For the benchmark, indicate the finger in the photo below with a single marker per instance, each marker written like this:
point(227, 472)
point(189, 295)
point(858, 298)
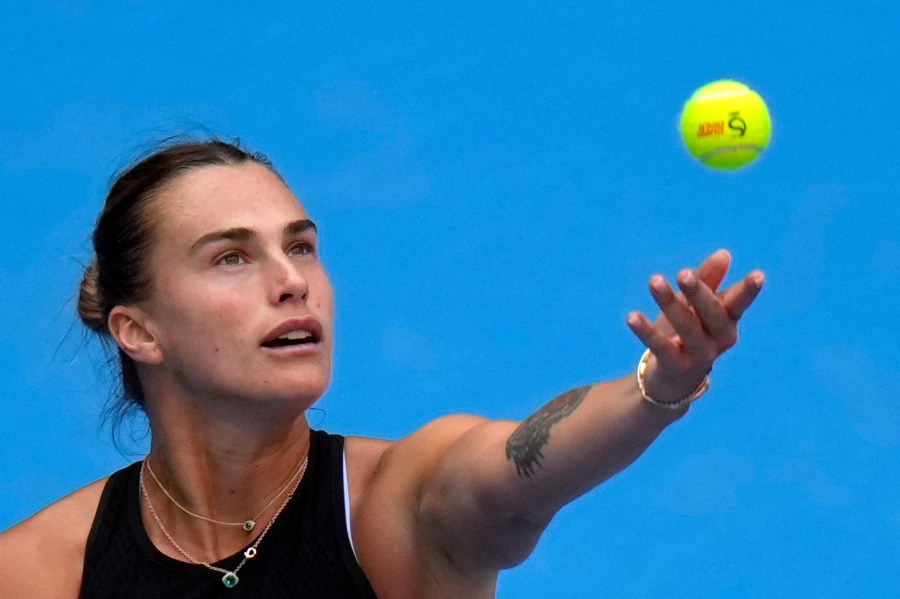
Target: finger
point(708, 307)
point(660, 344)
point(737, 298)
point(680, 316)
point(714, 268)
point(665, 327)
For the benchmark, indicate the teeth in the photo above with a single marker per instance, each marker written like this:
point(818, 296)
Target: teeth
point(296, 335)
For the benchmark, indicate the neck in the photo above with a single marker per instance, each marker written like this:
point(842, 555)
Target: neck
point(226, 469)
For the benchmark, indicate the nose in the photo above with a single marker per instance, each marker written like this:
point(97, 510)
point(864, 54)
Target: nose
point(288, 281)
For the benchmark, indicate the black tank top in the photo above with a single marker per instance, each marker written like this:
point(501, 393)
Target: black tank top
point(306, 553)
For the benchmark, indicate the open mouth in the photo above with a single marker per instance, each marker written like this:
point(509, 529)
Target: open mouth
point(293, 338)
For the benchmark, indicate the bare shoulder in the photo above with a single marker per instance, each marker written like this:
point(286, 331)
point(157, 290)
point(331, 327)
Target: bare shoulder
point(376, 457)
point(377, 463)
point(43, 556)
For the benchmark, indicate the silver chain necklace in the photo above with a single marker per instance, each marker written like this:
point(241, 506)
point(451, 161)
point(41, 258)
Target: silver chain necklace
point(230, 578)
point(248, 525)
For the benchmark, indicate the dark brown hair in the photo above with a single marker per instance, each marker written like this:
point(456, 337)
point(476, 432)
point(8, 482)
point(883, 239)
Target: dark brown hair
point(123, 239)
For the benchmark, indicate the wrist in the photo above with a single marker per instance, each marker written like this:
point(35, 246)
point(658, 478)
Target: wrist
point(669, 394)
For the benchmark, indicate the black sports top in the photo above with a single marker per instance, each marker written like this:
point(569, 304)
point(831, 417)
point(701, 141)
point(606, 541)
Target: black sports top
point(306, 553)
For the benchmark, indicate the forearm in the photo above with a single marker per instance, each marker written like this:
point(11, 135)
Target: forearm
point(577, 441)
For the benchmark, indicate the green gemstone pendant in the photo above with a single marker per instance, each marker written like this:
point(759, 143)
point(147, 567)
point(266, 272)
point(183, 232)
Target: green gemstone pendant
point(248, 525)
point(230, 580)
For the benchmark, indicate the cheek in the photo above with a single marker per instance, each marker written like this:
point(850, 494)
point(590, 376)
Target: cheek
point(323, 299)
point(206, 338)
point(325, 310)
point(226, 319)
point(199, 318)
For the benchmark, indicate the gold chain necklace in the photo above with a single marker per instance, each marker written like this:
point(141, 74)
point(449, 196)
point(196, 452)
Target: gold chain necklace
point(247, 525)
point(230, 578)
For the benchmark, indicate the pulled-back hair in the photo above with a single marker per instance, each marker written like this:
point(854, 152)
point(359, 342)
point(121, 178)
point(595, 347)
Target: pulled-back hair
point(123, 237)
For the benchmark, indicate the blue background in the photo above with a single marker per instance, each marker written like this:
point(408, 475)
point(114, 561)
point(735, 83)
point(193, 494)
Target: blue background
point(495, 183)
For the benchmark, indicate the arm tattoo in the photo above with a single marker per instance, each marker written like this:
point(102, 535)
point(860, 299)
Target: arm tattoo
point(525, 444)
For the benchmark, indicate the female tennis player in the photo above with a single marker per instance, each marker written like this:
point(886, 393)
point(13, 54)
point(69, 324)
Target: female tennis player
point(207, 279)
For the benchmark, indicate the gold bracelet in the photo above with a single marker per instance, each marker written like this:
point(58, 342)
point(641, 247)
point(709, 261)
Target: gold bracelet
point(671, 405)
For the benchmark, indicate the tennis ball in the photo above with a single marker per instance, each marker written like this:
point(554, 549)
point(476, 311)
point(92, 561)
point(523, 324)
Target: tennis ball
point(726, 125)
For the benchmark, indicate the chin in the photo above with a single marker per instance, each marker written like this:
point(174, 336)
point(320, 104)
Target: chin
point(305, 390)
point(306, 380)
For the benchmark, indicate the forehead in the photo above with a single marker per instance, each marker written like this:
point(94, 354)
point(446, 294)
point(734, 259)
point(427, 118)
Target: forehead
point(222, 197)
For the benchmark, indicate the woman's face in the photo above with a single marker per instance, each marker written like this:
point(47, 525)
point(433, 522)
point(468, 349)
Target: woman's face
point(241, 306)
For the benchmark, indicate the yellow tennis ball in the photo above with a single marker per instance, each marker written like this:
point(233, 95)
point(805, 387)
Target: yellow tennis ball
point(726, 125)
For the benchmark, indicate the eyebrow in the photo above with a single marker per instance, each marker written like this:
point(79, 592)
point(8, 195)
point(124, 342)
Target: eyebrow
point(245, 234)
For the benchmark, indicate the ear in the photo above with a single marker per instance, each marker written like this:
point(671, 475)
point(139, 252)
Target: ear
point(129, 326)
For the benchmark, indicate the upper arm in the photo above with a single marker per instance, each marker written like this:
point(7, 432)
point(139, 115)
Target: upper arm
point(44, 555)
point(21, 561)
point(447, 489)
point(475, 507)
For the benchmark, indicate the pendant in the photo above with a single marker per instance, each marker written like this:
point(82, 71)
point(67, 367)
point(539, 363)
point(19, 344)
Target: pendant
point(230, 580)
point(248, 525)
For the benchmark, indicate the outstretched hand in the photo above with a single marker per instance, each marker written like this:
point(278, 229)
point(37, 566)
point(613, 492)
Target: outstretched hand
point(694, 327)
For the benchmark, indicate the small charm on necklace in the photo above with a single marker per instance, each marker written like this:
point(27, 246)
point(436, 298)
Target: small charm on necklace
point(230, 580)
point(248, 525)
point(250, 553)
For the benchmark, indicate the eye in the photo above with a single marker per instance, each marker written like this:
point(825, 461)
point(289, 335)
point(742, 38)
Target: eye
point(230, 259)
point(302, 248)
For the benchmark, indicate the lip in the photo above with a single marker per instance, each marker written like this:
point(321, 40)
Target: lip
point(306, 323)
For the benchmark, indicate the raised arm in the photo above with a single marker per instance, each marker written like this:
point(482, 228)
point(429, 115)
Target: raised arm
point(498, 485)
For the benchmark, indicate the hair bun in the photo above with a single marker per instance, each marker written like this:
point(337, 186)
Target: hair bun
point(90, 302)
